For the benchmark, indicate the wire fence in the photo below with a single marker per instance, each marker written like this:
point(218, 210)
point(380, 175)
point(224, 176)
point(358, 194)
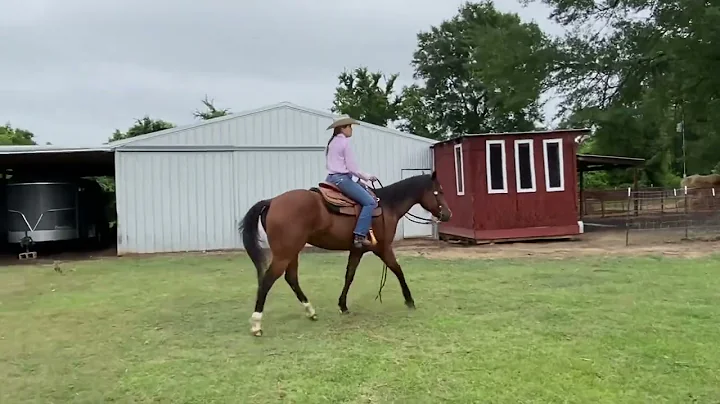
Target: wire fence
point(690, 212)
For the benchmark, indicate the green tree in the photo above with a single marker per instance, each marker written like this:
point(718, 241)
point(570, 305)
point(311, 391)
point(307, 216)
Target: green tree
point(142, 126)
point(483, 71)
point(636, 79)
point(211, 111)
point(361, 95)
point(15, 136)
point(416, 115)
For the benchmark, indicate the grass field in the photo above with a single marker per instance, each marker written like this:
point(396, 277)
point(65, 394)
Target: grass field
point(175, 330)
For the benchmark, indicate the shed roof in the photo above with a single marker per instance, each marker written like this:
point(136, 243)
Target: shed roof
point(285, 104)
point(528, 133)
point(594, 162)
point(76, 161)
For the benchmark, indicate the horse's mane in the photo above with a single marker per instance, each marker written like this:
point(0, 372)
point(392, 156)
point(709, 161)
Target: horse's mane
point(404, 190)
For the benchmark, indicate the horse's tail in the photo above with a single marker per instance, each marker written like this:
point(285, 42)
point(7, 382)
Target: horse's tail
point(249, 230)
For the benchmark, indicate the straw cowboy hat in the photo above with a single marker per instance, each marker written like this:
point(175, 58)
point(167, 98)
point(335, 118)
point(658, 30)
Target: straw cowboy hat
point(342, 121)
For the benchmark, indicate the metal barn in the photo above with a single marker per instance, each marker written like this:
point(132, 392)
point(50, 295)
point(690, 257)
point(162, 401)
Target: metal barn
point(505, 186)
point(187, 188)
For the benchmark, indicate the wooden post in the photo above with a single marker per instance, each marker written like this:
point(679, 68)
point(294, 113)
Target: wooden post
point(686, 213)
point(627, 219)
point(635, 189)
point(582, 194)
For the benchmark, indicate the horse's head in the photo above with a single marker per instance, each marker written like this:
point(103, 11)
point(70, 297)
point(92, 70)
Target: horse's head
point(433, 200)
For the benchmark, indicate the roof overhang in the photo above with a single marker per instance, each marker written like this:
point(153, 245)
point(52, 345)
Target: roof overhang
point(529, 134)
point(42, 160)
point(594, 162)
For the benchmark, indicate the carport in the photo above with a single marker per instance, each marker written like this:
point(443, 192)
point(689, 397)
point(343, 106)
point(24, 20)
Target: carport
point(48, 163)
point(594, 162)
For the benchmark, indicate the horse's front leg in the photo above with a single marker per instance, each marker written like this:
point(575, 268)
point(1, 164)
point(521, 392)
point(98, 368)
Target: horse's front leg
point(353, 262)
point(387, 255)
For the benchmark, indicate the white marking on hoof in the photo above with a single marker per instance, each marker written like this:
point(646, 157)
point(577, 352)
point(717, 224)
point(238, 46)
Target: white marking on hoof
point(310, 311)
point(255, 324)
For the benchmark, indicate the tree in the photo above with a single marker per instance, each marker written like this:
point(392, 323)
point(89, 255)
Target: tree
point(361, 95)
point(416, 115)
point(638, 78)
point(483, 71)
point(142, 126)
point(15, 136)
point(211, 112)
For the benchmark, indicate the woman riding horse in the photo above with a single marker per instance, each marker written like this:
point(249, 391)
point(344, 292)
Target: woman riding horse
point(299, 217)
point(341, 166)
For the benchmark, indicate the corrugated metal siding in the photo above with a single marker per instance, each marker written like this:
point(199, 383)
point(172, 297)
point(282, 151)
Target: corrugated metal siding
point(170, 202)
point(149, 183)
point(283, 126)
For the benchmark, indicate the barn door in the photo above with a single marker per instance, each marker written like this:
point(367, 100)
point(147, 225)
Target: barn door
point(411, 229)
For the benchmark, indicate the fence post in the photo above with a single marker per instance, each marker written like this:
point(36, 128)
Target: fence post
point(627, 218)
point(686, 213)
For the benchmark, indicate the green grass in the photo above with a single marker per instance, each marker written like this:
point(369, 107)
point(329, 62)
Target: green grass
point(175, 330)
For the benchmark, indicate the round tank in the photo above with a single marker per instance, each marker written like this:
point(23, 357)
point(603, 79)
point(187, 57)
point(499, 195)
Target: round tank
point(45, 211)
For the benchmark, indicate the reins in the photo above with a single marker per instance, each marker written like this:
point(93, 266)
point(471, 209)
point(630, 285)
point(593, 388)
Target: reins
point(383, 276)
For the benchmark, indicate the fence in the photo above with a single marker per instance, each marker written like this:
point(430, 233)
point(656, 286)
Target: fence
point(690, 211)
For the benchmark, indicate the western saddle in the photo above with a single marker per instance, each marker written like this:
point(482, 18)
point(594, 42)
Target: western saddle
point(338, 203)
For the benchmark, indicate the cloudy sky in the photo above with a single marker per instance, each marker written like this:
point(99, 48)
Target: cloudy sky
point(72, 71)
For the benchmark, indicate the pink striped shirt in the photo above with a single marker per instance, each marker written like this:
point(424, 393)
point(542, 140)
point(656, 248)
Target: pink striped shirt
point(340, 158)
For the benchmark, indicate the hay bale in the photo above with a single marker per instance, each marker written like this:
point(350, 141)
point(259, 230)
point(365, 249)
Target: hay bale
point(701, 181)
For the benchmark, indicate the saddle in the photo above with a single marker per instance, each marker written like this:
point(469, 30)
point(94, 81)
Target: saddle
point(340, 204)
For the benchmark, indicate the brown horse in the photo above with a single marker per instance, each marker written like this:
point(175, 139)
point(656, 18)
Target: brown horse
point(325, 218)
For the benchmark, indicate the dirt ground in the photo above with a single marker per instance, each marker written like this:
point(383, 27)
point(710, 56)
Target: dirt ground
point(610, 242)
point(607, 242)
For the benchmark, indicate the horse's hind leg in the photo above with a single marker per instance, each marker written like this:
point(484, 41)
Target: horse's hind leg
point(276, 269)
point(291, 276)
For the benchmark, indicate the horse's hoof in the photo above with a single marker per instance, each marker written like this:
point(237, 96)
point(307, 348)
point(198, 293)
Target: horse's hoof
point(257, 333)
point(410, 305)
point(313, 317)
point(344, 311)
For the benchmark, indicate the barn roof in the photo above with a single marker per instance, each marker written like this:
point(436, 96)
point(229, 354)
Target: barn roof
point(285, 104)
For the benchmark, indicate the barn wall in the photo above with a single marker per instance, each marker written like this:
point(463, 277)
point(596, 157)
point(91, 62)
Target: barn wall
point(168, 202)
point(520, 210)
point(478, 214)
point(462, 221)
point(187, 190)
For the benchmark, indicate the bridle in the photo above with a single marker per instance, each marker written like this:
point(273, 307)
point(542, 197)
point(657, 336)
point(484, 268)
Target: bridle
point(418, 219)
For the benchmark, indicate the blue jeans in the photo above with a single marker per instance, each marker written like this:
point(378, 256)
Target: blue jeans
point(356, 192)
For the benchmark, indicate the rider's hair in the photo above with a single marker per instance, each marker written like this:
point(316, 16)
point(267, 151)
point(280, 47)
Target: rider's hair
point(336, 131)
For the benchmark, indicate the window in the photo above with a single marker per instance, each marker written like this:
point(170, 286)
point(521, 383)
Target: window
point(525, 166)
point(496, 166)
point(554, 173)
point(459, 170)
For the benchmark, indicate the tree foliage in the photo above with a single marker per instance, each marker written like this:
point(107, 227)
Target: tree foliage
point(142, 126)
point(15, 136)
point(362, 95)
point(211, 111)
point(636, 79)
point(481, 71)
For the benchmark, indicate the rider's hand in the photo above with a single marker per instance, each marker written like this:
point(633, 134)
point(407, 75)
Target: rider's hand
point(371, 177)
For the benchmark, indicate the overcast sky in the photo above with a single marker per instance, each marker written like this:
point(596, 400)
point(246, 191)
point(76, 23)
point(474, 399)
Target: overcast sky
point(72, 71)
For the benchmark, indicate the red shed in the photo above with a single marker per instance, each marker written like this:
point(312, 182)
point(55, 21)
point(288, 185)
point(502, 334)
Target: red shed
point(503, 186)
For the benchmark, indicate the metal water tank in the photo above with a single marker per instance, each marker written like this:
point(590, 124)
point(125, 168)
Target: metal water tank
point(45, 211)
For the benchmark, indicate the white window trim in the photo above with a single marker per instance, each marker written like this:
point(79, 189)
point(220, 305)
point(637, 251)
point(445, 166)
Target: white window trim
point(488, 174)
point(559, 142)
point(518, 183)
point(459, 179)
